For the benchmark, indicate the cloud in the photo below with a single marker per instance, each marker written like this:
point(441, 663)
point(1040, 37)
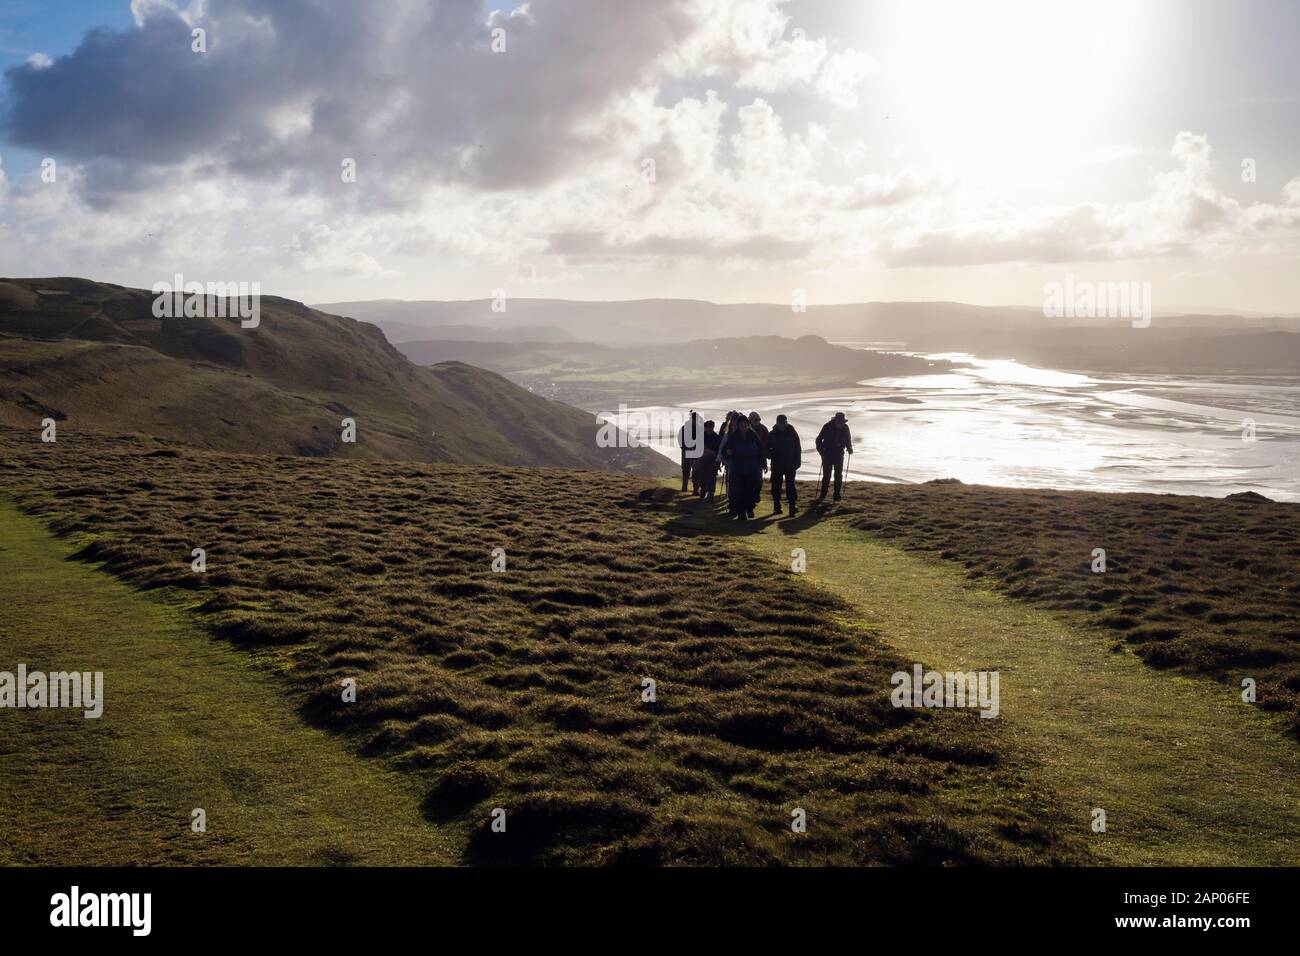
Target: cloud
point(1077, 234)
point(874, 191)
point(1184, 215)
point(842, 74)
point(319, 247)
point(415, 91)
point(753, 41)
point(595, 246)
point(751, 192)
point(288, 88)
point(526, 161)
point(229, 161)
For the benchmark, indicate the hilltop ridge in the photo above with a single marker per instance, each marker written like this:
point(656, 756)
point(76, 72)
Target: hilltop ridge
point(94, 355)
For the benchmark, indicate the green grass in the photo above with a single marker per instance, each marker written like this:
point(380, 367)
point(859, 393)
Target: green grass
point(1187, 773)
point(1201, 585)
point(522, 689)
point(14, 353)
point(188, 722)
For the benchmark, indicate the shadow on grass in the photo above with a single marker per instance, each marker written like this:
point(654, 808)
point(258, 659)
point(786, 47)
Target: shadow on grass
point(696, 516)
point(460, 788)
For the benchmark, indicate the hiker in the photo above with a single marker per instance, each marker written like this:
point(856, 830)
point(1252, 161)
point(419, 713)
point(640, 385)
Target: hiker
point(688, 442)
point(744, 456)
point(728, 430)
point(832, 442)
point(728, 427)
point(705, 475)
point(786, 453)
point(759, 429)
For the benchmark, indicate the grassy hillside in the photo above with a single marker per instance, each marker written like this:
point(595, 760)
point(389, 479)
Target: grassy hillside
point(93, 357)
point(1201, 584)
point(141, 769)
point(522, 689)
point(1187, 773)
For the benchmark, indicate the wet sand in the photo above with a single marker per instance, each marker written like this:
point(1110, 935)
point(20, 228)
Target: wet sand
point(1004, 423)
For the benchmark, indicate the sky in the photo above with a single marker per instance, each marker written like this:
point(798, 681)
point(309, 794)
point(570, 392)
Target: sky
point(731, 150)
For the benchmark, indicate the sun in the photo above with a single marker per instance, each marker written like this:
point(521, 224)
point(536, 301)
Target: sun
point(1004, 83)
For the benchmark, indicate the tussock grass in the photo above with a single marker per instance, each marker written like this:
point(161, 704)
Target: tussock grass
point(1205, 585)
point(1187, 773)
point(187, 723)
point(522, 689)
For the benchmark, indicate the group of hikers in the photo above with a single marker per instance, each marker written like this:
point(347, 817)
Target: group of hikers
point(744, 448)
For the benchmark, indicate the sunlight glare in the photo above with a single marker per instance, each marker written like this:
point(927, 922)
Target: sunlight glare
point(998, 84)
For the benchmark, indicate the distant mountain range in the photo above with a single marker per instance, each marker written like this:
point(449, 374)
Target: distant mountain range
point(663, 320)
point(399, 332)
point(94, 357)
point(1173, 349)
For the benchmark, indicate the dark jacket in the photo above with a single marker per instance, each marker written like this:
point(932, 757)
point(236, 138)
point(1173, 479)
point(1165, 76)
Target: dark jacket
point(785, 449)
point(744, 452)
point(761, 431)
point(834, 439)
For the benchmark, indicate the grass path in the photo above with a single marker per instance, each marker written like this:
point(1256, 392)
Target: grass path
point(188, 722)
point(1186, 772)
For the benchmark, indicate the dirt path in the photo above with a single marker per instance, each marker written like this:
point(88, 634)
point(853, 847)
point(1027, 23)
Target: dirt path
point(188, 722)
point(1186, 772)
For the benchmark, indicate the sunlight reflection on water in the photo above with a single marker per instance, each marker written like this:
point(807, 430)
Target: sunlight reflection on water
point(1004, 423)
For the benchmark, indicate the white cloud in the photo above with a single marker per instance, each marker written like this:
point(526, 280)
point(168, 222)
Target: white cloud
point(343, 250)
point(842, 75)
point(754, 41)
point(1184, 215)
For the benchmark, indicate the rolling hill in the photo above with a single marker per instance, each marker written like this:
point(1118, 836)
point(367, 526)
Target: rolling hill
point(600, 376)
point(658, 320)
point(93, 357)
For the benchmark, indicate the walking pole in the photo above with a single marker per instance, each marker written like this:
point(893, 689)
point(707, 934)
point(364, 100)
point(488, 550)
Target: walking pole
point(849, 467)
